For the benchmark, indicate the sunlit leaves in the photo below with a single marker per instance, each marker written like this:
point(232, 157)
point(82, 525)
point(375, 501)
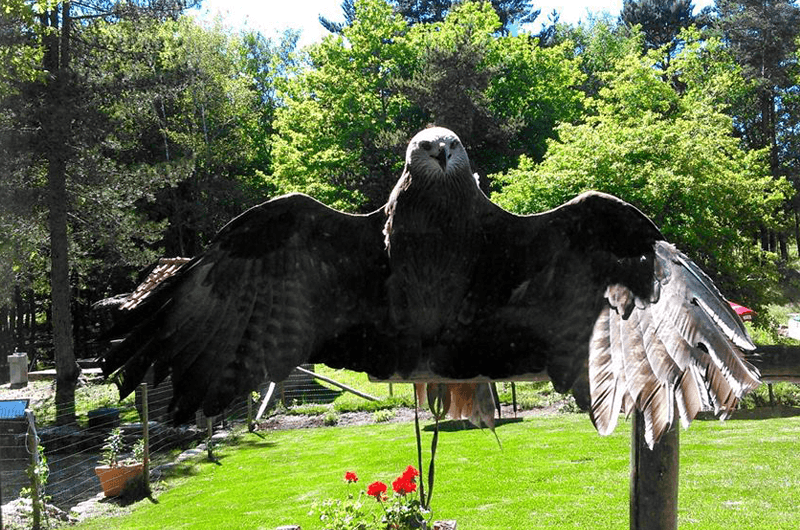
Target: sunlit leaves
point(671, 155)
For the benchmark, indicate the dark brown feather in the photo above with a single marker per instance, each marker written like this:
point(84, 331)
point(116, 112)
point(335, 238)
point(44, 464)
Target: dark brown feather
point(442, 283)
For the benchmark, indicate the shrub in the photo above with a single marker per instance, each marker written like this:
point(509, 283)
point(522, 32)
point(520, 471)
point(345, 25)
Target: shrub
point(331, 418)
point(382, 416)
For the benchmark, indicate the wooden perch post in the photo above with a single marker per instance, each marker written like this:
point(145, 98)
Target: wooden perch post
point(654, 479)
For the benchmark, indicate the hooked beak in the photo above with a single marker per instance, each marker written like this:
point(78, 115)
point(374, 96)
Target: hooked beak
point(441, 157)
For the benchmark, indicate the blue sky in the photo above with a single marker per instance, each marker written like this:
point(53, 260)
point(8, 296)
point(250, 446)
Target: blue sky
point(271, 17)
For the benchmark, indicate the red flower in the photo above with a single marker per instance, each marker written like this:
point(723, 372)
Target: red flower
point(404, 485)
point(410, 473)
point(376, 489)
point(351, 477)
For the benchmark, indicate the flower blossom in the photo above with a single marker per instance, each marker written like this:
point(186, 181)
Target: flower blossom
point(404, 485)
point(351, 477)
point(376, 489)
point(410, 473)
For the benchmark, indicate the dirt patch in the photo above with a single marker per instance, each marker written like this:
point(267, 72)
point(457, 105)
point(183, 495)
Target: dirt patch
point(37, 391)
point(281, 422)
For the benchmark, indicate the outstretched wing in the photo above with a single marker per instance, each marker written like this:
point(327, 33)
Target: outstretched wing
point(278, 284)
point(683, 345)
point(591, 293)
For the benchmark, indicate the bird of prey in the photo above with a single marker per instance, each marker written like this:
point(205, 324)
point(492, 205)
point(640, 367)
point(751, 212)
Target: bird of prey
point(441, 283)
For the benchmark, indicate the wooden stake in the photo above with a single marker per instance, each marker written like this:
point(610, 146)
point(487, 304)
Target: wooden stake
point(654, 479)
point(146, 440)
point(33, 449)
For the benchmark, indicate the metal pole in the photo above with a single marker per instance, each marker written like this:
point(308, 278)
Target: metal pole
point(654, 479)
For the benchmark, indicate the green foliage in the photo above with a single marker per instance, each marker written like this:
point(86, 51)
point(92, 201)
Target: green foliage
point(112, 448)
point(334, 136)
point(785, 394)
point(362, 405)
point(39, 473)
point(382, 416)
point(87, 397)
point(20, 51)
point(531, 396)
point(348, 514)
point(331, 418)
point(673, 156)
point(351, 107)
point(500, 94)
point(536, 88)
point(307, 410)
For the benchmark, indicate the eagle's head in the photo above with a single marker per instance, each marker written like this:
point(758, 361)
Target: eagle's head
point(437, 152)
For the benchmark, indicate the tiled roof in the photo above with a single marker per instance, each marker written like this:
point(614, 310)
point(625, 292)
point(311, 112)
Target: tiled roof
point(166, 267)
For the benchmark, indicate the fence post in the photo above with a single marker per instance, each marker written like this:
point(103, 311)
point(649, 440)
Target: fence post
point(210, 426)
point(33, 449)
point(146, 440)
point(654, 479)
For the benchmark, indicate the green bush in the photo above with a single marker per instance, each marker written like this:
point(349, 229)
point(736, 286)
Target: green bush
point(786, 394)
point(372, 406)
point(331, 418)
point(382, 416)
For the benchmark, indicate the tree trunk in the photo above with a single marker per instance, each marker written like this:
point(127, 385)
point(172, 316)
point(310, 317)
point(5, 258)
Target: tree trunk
point(797, 230)
point(66, 368)
point(57, 153)
point(783, 246)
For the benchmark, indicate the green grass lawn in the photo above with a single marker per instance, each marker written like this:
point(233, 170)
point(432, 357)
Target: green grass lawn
point(551, 472)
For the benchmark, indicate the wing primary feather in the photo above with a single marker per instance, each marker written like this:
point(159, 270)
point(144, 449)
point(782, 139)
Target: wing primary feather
point(605, 385)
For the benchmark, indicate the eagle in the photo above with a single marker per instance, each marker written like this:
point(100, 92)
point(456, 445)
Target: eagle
point(441, 284)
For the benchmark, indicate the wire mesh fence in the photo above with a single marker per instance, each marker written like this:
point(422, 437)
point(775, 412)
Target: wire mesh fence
point(72, 452)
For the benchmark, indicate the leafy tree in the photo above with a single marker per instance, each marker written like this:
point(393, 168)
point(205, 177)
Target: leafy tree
point(455, 67)
point(763, 35)
point(216, 117)
point(349, 114)
point(661, 22)
point(55, 135)
point(502, 95)
point(510, 12)
point(349, 10)
point(671, 155)
point(342, 126)
point(266, 63)
point(597, 45)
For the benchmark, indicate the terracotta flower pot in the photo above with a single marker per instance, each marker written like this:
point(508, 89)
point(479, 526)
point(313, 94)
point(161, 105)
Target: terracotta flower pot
point(114, 478)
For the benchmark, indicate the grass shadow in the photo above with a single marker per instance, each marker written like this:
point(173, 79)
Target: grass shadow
point(465, 425)
point(760, 413)
point(256, 444)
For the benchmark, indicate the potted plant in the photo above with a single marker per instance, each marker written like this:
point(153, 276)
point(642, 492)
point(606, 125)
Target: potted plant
point(114, 473)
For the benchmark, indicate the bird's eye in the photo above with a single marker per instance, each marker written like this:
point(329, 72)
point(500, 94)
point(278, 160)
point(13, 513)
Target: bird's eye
point(425, 145)
point(453, 144)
